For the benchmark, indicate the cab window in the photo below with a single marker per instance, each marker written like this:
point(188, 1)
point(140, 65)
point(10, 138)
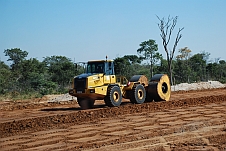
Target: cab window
point(95, 67)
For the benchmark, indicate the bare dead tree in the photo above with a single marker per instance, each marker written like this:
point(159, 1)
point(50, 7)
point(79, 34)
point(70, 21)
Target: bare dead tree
point(166, 28)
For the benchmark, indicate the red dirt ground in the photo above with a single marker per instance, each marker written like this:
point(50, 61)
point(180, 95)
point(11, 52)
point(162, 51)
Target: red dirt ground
point(194, 120)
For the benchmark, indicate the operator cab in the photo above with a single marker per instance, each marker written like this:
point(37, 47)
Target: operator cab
point(103, 66)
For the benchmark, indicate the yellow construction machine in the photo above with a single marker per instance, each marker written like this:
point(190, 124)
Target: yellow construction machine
point(99, 82)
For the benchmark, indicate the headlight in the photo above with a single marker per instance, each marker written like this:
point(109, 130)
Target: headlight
point(92, 91)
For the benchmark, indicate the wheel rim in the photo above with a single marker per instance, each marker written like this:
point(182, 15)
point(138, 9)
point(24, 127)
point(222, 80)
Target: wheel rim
point(140, 94)
point(116, 96)
point(164, 88)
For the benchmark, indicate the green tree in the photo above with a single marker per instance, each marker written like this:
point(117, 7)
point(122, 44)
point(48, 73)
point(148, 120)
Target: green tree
point(148, 51)
point(127, 65)
point(33, 74)
point(16, 55)
point(217, 70)
point(32, 65)
point(182, 68)
point(198, 65)
point(181, 71)
point(42, 83)
point(5, 75)
point(163, 67)
point(61, 70)
point(185, 54)
point(132, 59)
point(222, 67)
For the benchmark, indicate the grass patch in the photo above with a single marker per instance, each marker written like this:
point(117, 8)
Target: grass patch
point(14, 96)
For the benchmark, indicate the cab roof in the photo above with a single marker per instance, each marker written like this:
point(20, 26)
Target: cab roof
point(100, 61)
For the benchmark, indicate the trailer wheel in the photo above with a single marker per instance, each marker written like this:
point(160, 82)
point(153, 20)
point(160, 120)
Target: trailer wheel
point(113, 97)
point(148, 98)
point(159, 88)
point(85, 103)
point(138, 94)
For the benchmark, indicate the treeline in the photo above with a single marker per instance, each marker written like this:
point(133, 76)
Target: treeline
point(34, 78)
point(196, 68)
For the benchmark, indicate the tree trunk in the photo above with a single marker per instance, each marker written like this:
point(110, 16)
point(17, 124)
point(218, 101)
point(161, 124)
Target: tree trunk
point(151, 65)
point(170, 72)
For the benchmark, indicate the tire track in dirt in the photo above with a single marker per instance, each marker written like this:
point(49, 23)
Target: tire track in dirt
point(56, 120)
point(34, 104)
point(195, 121)
point(164, 130)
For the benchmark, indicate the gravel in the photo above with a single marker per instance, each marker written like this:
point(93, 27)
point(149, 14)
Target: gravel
point(197, 86)
point(63, 97)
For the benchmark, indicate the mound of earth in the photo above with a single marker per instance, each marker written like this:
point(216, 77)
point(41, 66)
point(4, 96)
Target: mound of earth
point(197, 86)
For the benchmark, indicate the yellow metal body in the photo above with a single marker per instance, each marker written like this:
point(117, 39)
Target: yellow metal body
point(99, 79)
point(99, 82)
point(97, 85)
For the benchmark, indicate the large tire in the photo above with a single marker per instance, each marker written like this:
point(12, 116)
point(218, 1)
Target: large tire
point(148, 98)
point(138, 94)
point(159, 88)
point(85, 103)
point(113, 97)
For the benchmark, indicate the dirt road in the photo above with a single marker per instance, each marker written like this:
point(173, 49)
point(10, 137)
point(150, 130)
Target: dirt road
point(189, 121)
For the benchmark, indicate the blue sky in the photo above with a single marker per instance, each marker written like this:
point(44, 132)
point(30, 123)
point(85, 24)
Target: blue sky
point(91, 29)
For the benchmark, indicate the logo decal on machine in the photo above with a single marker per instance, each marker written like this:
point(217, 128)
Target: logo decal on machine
point(107, 78)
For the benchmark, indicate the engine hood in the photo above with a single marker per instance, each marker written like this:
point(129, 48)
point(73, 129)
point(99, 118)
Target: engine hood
point(84, 75)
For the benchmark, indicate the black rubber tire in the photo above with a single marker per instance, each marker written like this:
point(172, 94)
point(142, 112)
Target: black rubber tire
point(148, 98)
point(138, 94)
point(154, 92)
point(85, 103)
point(159, 88)
point(113, 97)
